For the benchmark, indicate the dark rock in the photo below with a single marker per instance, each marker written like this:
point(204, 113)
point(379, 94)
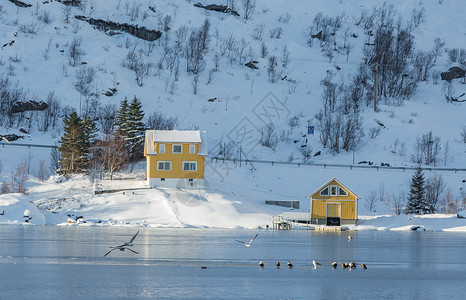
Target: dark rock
point(70, 2)
point(354, 35)
point(12, 137)
point(317, 35)
point(139, 32)
point(452, 73)
point(110, 92)
point(212, 99)
point(23, 131)
point(317, 153)
point(19, 106)
point(217, 8)
point(252, 65)
point(20, 3)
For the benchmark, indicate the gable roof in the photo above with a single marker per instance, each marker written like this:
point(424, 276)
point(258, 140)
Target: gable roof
point(327, 183)
point(176, 136)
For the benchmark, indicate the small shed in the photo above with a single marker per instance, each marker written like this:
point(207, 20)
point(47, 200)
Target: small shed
point(334, 204)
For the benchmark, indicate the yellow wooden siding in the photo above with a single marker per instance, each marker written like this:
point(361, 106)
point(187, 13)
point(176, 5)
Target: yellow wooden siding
point(319, 209)
point(177, 160)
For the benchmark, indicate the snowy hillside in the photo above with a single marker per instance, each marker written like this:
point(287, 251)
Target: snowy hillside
point(196, 72)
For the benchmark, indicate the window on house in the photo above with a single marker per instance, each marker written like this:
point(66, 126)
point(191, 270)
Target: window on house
point(189, 166)
point(324, 192)
point(164, 166)
point(161, 148)
point(192, 149)
point(342, 192)
point(177, 148)
point(333, 190)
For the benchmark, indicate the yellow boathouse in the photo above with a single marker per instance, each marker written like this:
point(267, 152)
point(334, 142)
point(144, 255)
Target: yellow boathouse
point(334, 204)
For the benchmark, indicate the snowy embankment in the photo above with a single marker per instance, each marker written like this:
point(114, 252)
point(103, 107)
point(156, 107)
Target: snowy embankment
point(72, 202)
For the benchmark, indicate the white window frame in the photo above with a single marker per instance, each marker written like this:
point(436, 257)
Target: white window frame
point(342, 189)
point(161, 148)
point(336, 190)
point(190, 162)
point(328, 191)
point(164, 161)
point(192, 148)
point(173, 148)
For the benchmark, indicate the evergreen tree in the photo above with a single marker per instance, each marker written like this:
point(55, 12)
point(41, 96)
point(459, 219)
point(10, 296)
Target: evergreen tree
point(136, 129)
point(416, 197)
point(122, 116)
point(74, 146)
point(130, 125)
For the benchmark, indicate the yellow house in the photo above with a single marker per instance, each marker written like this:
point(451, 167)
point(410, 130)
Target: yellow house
point(334, 204)
point(175, 158)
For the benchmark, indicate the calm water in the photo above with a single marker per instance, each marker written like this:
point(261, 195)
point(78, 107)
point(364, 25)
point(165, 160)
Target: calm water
point(50, 262)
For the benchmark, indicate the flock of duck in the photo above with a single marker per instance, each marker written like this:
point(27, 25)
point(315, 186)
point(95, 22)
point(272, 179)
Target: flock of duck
point(350, 265)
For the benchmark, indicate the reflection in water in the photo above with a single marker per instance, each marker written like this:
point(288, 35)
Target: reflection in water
point(58, 262)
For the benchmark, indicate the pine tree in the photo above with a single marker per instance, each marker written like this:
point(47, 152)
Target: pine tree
point(136, 129)
point(74, 146)
point(122, 116)
point(416, 197)
point(131, 127)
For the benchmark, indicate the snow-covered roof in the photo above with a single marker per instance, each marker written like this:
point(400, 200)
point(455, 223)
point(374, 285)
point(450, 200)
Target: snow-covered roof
point(176, 136)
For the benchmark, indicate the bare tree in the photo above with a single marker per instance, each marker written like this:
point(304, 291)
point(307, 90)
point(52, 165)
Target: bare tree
point(438, 46)
point(66, 12)
point(110, 154)
point(249, 7)
point(42, 173)
point(434, 188)
point(427, 149)
point(272, 69)
point(399, 202)
point(269, 136)
point(369, 202)
point(107, 115)
point(75, 51)
point(449, 205)
point(159, 121)
point(264, 50)
point(19, 176)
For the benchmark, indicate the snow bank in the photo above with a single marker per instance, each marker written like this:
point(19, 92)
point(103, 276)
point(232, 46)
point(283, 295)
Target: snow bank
point(17, 209)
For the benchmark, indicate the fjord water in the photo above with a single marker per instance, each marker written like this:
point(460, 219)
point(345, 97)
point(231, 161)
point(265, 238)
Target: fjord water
point(58, 262)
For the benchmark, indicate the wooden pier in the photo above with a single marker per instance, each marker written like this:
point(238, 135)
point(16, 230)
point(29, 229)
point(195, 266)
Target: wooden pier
point(280, 224)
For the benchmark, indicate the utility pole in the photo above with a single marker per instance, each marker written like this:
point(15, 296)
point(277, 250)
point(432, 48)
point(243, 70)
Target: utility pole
point(376, 79)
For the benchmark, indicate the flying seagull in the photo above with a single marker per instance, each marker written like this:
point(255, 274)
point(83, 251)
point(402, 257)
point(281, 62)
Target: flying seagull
point(248, 244)
point(315, 264)
point(125, 246)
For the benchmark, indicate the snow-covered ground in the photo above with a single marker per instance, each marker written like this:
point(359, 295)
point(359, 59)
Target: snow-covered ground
point(236, 200)
point(235, 196)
